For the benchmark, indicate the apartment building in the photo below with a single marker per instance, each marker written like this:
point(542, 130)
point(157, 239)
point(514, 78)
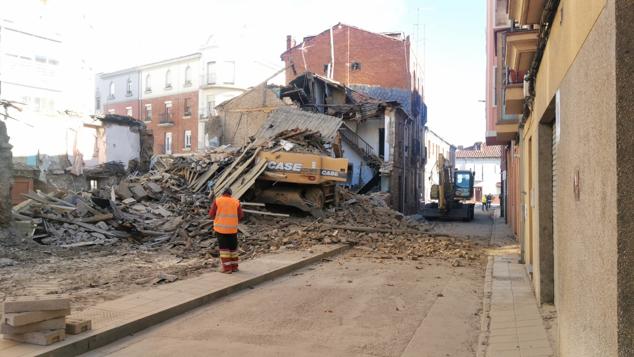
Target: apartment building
point(381, 66)
point(177, 97)
point(39, 66)
point(169, 103)
point(565, 70)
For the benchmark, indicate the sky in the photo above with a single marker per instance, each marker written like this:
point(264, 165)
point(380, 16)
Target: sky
point(450, 36)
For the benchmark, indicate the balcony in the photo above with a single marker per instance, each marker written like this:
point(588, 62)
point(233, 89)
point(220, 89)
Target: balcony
point(520, 49)
point(166, 119)
point(526, 12)
point(514, 98)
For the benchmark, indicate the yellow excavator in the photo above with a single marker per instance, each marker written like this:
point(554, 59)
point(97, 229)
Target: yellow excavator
point(453, 189)
point(303, 180)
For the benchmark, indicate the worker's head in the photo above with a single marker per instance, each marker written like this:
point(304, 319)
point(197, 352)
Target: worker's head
point(227, 191)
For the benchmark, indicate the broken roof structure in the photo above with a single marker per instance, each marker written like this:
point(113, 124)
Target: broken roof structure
point(288, 118)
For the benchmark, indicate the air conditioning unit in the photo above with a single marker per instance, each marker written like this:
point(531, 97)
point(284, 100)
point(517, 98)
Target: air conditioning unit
point(526, 88)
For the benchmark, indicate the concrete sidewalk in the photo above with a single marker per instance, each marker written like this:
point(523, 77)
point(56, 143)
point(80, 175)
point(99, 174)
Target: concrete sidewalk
point(514, 326)
point(118, 318)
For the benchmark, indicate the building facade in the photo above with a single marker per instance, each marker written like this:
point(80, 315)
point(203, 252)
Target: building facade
point(176, 98)
point(484, 161)
point(40, 67)
point(383, 67)
point(569, 71)
point(434, 146)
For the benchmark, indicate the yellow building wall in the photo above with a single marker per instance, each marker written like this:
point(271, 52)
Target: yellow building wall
point(571, 26)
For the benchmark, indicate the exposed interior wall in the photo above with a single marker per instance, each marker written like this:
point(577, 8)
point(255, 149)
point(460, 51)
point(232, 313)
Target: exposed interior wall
point(585, 234)
point(243, 116)
point(624, 10)
point(361, 172)
point(6, 176)
point(122, 143)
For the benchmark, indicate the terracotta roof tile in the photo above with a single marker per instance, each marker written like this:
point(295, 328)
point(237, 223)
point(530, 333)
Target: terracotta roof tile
point(485, 151)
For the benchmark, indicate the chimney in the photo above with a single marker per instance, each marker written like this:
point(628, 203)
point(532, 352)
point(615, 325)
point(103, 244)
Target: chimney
point(289, 42)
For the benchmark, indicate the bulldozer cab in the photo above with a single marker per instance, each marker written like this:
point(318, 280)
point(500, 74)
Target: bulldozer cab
point(463, 184)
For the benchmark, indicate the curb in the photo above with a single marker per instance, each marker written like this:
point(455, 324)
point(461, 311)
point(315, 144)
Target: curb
point(107, 336)
point(485, 319)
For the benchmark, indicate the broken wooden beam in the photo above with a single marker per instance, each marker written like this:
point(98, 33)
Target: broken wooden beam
point(266, 213)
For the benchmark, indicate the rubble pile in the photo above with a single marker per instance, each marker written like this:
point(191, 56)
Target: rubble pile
point(364, 221)
point(168, 208)
point(169, 204)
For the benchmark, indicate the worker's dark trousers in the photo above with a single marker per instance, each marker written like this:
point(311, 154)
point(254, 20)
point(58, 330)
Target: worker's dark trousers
point(228, 247)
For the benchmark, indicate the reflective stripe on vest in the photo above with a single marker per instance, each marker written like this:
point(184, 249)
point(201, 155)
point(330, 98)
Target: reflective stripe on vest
point(226, 220)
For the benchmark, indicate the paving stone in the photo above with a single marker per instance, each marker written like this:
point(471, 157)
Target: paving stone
point(77, 326)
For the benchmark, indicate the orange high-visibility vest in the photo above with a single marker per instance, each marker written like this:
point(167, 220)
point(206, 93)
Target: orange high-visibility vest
point(226, 220)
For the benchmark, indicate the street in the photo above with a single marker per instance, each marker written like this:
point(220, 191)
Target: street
point(350, 306)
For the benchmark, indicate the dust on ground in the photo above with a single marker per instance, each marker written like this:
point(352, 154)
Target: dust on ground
point(353, 305)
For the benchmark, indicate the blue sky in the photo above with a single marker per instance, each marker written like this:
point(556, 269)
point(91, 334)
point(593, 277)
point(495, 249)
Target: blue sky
point(123, 33)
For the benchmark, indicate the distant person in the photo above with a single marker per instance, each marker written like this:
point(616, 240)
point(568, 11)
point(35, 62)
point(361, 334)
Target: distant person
point(484, 202)
point(227, 213)
point(489, 199)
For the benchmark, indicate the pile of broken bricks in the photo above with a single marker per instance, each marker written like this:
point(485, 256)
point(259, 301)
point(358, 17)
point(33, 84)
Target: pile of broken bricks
point(39, 320)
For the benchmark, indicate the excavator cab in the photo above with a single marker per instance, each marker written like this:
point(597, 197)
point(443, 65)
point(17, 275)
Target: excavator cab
point(463, 185)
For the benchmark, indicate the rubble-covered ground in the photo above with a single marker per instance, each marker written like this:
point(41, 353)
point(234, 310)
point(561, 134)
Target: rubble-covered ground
point(153, 228)
point(94, 273)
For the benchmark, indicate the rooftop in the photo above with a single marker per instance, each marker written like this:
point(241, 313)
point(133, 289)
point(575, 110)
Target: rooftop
point(480, 151)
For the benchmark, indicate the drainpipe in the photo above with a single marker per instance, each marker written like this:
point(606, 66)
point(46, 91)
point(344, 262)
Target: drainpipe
point(332, 55)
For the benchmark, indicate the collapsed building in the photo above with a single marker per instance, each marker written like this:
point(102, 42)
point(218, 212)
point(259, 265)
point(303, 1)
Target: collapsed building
point(71, 151)
point(382, 142)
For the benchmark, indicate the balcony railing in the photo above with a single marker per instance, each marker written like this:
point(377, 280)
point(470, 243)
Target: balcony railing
point(362, 146)
point(166, 119)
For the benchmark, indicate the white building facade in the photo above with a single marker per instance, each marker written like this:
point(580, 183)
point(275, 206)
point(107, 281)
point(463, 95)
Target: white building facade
point(40, 66)
point(484, 161)
point(434, 146)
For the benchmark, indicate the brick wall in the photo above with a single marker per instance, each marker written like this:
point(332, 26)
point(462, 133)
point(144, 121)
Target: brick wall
point(180, 122)
point(120, 108)
point(383, 60)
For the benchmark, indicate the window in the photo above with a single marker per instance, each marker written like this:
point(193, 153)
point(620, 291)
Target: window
point(128, 111)
point(148, 84)
point(168, 143)
point(111, 92)
point(168, 79)
point(167, 115)
point(188, 139)
point(229, 72)
point(355, 66)
point(326, 69)
point(128, 88)
point(148, 112)
point(188, 76)
point(97, 101)
point(187, 107)
point(211, 72)
point(211, 105)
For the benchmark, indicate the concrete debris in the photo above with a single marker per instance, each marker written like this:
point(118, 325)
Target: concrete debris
point(6, 262)
point(39, 320)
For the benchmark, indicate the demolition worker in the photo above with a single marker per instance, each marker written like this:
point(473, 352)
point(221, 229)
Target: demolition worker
point(226, 213)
